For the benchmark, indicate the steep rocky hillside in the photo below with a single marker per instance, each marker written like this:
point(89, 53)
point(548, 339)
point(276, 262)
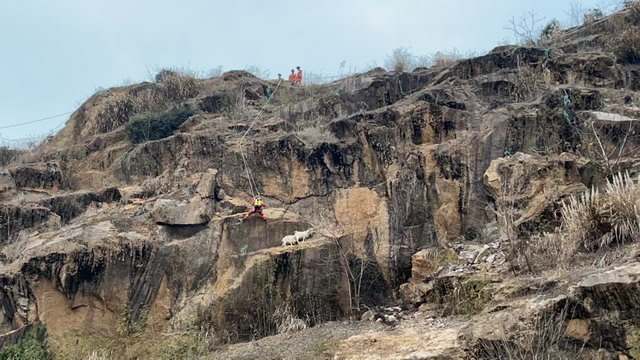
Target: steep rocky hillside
point(436, 197)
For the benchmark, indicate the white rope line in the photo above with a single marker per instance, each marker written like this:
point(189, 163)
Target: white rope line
point(261, 111)
point(252, 184)
point(34, 121)
point(249, 177)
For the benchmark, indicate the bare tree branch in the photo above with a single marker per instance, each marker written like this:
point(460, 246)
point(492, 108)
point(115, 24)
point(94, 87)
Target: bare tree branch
point(526, 28)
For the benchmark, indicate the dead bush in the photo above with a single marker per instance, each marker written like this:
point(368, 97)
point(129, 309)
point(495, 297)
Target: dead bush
point(98, 355)
point(286, 321)
point(400, 60)
point(528, 82)
point(542, 340)
point(576, 13)
point(526, 29)
point(114, 114)
point(627, 48)
point(177, 84)
point(8, 155)
point(237, 108)
point(444, 59)
point(592, 221)
point(507, 215)
point(595, 220)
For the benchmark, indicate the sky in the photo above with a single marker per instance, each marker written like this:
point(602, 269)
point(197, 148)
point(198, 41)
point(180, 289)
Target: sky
point(55, 54)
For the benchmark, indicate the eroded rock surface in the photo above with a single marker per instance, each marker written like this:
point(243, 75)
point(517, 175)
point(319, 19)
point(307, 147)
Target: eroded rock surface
point(401, 175)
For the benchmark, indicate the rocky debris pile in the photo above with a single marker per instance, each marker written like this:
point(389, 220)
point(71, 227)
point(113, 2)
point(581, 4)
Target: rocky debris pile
point(433, 269)
point(390, 316)
point(482, 257)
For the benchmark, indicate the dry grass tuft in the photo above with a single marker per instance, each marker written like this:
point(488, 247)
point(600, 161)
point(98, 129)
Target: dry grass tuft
point(400, 60)
point(286, 321)
point(9, 155)
point(529, 81)
point(177, 85)
point(592, 221)
point(541, 342)
point(98, 355)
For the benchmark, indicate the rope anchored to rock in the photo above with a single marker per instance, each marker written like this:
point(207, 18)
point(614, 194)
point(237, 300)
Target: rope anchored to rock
point(252, 183)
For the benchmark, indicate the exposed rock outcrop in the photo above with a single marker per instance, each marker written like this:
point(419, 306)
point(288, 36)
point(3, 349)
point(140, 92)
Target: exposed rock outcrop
point(537, 185)
point(38, 176)
point(172, 212)
point(402, 176)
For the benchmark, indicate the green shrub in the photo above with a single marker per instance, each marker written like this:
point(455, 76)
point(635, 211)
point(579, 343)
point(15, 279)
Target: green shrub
point(154, 126)
point(32, 346)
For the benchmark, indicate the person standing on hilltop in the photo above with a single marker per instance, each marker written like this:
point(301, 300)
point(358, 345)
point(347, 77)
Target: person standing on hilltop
point(298, 76)
point(292, 77)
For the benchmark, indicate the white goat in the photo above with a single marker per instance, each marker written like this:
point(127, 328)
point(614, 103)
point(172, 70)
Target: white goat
point(303, 235)
point(289, 240)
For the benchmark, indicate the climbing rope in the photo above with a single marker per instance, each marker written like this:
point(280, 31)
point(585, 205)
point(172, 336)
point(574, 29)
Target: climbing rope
point(252, 183)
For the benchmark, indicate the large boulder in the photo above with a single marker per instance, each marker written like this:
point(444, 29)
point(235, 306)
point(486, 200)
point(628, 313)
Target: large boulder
point(208, 185)
point(615, 290)
point(182, 213)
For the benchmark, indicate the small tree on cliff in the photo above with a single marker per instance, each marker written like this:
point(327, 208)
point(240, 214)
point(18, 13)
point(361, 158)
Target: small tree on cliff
point(525, 28)
point(352, 266)
point(551, 30)
point(507, 216)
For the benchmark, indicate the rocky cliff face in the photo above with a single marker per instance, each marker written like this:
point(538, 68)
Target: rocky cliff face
point(404, 177)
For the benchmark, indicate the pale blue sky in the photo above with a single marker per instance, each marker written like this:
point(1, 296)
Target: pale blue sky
point(56, 53)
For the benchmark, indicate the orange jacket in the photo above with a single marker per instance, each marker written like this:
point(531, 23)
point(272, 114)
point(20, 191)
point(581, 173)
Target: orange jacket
point(299, 76)
point(292, 78)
